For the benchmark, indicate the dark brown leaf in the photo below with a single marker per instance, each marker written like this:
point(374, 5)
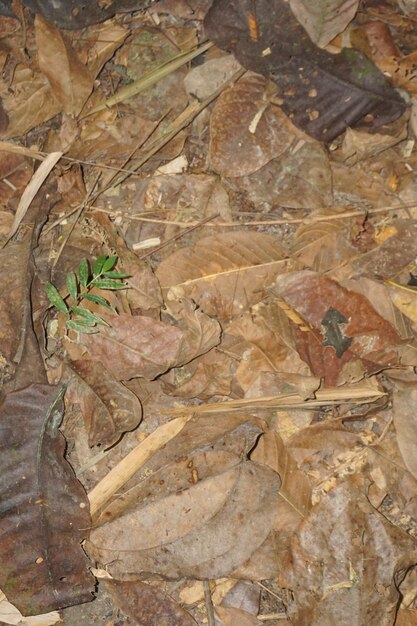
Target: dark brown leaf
point(322, 93)
point(45, 513)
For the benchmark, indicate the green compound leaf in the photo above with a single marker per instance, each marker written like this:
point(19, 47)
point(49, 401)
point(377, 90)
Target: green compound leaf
point(72, 285)
point(108, 283)
point(55, 298)
point(109, 264)
point(83, 272)
point(115, 275)
point(99, 300)
point(80, 328)
point(98, 265)
point(88, 317)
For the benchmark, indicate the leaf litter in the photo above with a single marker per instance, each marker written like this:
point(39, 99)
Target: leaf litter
point(208, 311)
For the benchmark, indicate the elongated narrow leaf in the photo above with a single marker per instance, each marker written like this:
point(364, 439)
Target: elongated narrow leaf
point(55, 298)
point(83, 272)
point(115, 275)
point(72, 286)
point(99, 300)
point(98, 265)
point(109, 264)
point(80, 326)
point(109, 283)
point(88, 316)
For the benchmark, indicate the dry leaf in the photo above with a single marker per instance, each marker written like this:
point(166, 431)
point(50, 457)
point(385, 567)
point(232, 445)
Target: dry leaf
point(70, 80)
point(324, 19)
point(246, 130)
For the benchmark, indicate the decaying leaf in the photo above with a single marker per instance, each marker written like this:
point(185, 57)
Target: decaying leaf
point(246, 130)
point(45, 511)
point(108, 407)
point(140, 346)
point(322, 93)
point(224, 274)
point(405, 426)
point(346, 554)
point(70, 80)
point(147, 605)
point(324, 19)
point(341, 328)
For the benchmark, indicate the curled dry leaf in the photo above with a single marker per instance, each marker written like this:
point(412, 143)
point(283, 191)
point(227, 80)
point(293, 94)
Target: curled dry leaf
point(108, 407)
point(224, 274)
point(246, 131)
point(340, 559)
point(140, 346)
point(45, 513)
point(337, 331)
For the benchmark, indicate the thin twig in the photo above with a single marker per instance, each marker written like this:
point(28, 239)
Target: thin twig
point(185, 232)
point(79, 210)
point(209, 604)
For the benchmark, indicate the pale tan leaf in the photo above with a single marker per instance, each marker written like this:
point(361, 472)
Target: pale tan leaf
point(224, 274)
point(205, 531)
point(70, 80)
point(324, 19)
point(405, 422)
point(33, 187)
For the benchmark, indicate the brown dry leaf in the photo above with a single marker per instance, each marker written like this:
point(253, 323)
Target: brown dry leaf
point(406, 617)
point(323, 245)
point(405, 422)
point(9, 614)
point(70, 80)
point(404, 298)
point(147, 605)
point(203, 80)
point(283, 181)
point(340, 571)
point(389, 258)
point(205, 531)
point(182, 460)
point(30, 103)
point(108, 407)
point(359, 145)
point(324, 19)
point(232, 616)
point(103, 40)
point(140, 346)
point(224, 274)
point(246, 130)
point(339, 333)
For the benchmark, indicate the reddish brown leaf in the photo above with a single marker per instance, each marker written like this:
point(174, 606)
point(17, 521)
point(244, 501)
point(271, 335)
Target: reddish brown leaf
point(109, 408)
point(246, 131)
point(143, 347)
point(147, 605)
point(354, 340)
point(45, 511)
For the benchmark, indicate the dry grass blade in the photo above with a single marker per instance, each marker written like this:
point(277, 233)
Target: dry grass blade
point(151, 78)
point(32, 189)
point(127, 467)
point(363, 393)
